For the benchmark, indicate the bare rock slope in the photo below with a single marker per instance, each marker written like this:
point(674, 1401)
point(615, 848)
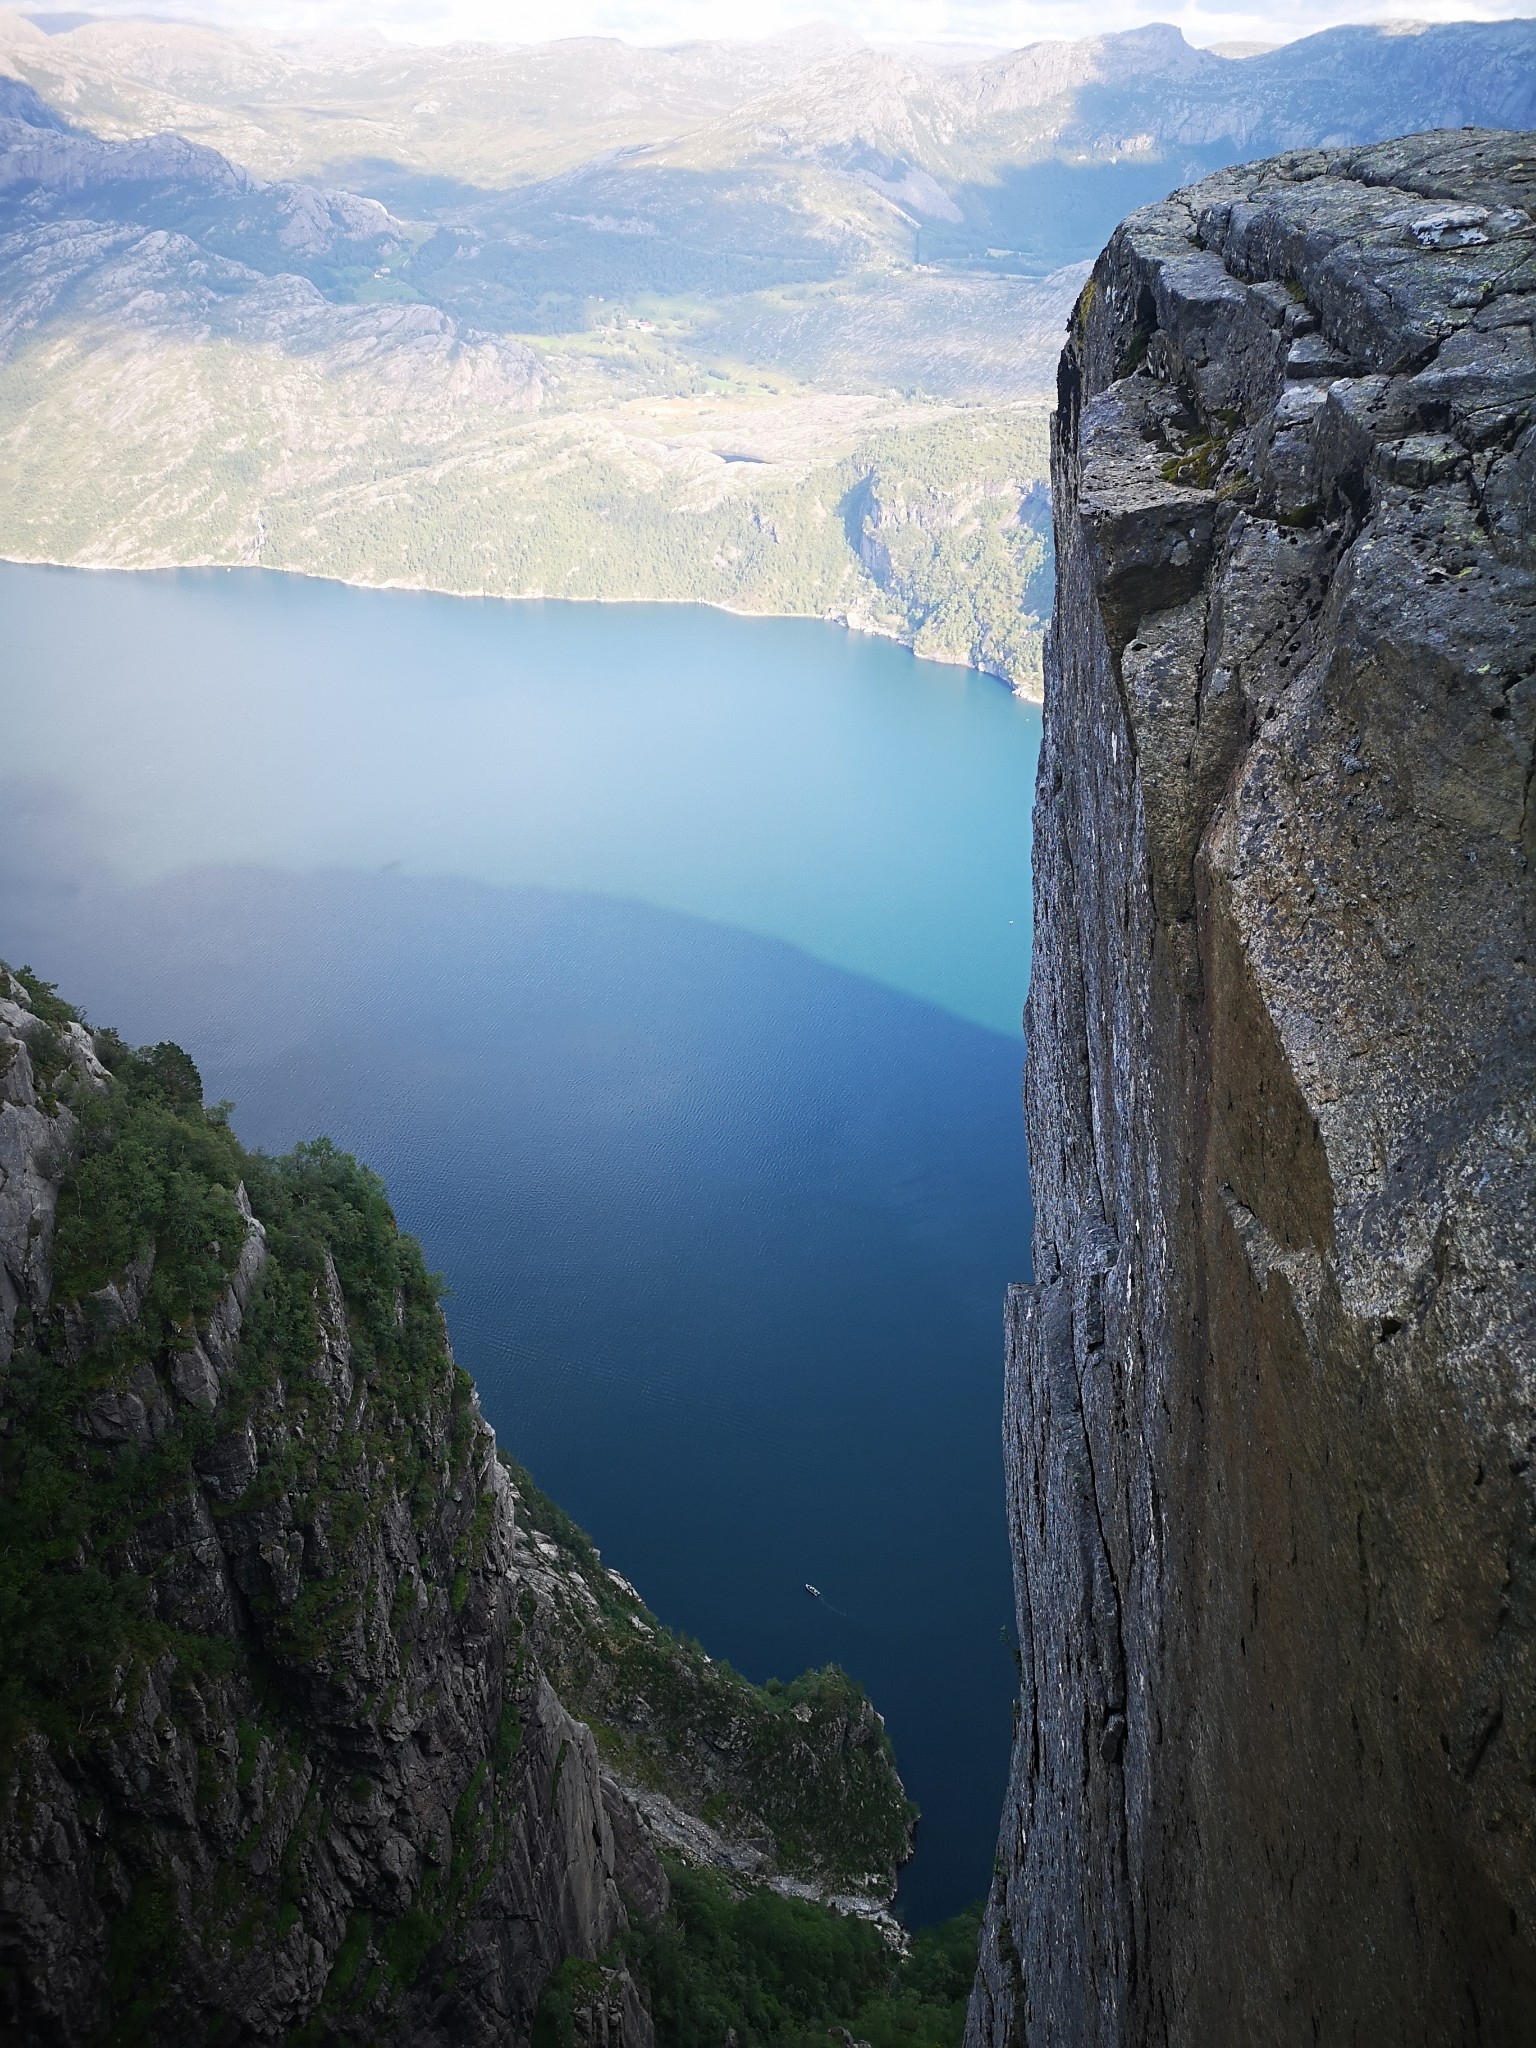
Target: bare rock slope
point(1271, 1400)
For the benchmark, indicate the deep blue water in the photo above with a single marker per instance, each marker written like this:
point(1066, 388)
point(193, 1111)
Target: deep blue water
point(667, 965)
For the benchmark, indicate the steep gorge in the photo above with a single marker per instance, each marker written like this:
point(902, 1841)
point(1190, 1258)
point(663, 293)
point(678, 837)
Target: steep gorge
point(1271, 1398)
point(280, 1754)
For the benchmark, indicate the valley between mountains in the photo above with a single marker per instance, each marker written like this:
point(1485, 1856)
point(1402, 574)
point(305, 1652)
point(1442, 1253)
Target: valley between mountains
point(763, 325)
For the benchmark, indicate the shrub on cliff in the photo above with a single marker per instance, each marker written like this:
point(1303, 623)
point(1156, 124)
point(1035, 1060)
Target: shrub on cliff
point(728, 1963)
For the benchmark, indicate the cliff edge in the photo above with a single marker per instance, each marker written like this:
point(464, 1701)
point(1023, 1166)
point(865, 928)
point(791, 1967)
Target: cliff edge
point(1271, 1401)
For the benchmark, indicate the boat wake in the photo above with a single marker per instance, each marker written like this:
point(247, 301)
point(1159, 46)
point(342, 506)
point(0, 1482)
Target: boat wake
point(817, 1594)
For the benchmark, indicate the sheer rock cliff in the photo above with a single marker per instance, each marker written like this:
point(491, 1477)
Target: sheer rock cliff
point(1271, 1399)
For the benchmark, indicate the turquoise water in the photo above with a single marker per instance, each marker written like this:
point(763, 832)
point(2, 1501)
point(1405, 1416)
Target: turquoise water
point(779, 776)
point(669, 966)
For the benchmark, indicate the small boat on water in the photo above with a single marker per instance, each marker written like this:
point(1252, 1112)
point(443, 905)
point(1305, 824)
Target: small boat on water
point(814, 1591)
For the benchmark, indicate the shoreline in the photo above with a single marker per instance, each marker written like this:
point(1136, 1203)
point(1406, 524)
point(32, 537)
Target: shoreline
point(849, 624)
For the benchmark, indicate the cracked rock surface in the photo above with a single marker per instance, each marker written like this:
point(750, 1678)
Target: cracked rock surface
point(1271, 1399)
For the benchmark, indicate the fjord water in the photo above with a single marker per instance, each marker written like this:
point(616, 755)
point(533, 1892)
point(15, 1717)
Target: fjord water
point(668, 967)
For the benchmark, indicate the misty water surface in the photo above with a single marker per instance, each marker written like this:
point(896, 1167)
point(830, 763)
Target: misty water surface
point(668, 966)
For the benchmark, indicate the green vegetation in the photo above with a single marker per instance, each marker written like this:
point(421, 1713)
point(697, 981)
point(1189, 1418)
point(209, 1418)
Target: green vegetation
point(152, 1171)
point(343, 1388)
point(1199, 465)
point(149, 1199)
point(335, 1449)
point(922, 521)
point(806, 1766)
point(776, 1973)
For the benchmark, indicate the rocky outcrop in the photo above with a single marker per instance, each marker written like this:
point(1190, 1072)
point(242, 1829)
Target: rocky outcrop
point(1271, 1399)
point(286, 1748)
point(789, 1786)
point(280, 1761)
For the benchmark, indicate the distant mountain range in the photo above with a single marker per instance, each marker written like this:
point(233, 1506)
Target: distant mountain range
point(1036, 153)
point(796, 248)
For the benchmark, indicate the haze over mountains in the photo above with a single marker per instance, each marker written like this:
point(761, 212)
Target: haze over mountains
point(763, 323)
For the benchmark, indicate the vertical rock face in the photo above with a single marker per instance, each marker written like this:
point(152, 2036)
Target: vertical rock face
point(1271, 1401)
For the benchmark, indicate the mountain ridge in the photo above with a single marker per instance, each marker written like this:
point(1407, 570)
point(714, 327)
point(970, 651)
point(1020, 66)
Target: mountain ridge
point(500, 322)
point(280, 1755)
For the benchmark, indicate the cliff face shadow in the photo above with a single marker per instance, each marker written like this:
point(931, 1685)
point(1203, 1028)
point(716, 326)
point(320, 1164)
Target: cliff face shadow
point(726, 1230)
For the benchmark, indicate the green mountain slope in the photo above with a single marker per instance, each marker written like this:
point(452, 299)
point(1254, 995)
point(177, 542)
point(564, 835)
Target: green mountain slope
point(285, 1741)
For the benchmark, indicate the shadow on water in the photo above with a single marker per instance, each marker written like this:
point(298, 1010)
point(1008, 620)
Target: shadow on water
point(726, 1228)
